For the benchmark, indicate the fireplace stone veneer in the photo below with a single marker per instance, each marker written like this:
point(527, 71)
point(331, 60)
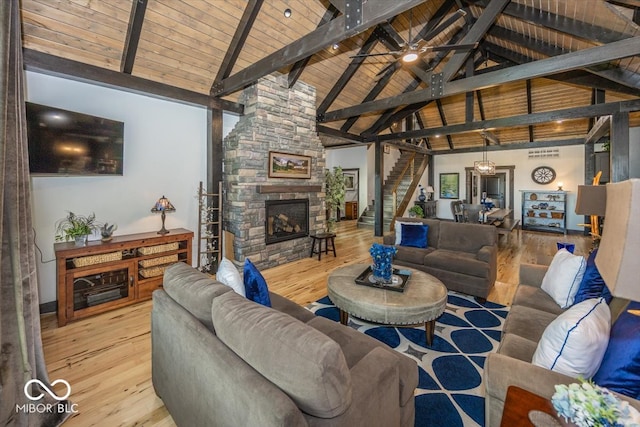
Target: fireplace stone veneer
point(282, 119)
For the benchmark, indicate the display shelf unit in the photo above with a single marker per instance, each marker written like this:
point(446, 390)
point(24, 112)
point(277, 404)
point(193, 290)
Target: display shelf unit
point(544, 211)
point(209, 229)
point(102, 276)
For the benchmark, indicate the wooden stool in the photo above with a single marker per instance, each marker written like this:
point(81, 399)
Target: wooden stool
point(322, 237)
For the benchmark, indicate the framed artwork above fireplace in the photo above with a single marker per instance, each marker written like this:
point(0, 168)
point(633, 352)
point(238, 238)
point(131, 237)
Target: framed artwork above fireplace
point(284, 165)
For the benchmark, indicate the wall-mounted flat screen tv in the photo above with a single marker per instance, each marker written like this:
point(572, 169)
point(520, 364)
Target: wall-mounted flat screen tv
point(67, 143)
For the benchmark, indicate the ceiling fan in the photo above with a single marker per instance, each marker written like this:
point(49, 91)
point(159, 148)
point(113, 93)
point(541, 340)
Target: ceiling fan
point(411, 51)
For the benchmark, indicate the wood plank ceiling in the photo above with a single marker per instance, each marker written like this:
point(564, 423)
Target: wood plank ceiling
point(207, 48)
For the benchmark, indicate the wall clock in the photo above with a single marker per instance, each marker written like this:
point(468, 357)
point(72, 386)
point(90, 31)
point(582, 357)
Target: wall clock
point(543, 175)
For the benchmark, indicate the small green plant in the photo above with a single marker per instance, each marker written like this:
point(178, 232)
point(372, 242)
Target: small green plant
point(334, 193)
point(73, 226)
point(416, 211)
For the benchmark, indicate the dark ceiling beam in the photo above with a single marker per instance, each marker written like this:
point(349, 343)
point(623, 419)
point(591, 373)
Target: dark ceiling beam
point(609, 71)
point(373, 13)
point(512, 146)
point(474, 35)
point(576, 77)
point(61, 67)
point(560, 23)
point(421, 125)
point(297, 68)
point(443, 118)
point(529, 108)
point(237, 42)
point(521, 120)
point(339, 134)
point(480, 104)
point(350, 71)
point(599, 129)
point(468, 97)
point(632, 4)
point(136, 19)
point(389, 116)
point(541, 68)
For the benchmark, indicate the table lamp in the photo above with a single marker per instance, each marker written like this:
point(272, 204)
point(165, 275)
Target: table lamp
point(617, 258)
point(429, 192)
point(163, 205)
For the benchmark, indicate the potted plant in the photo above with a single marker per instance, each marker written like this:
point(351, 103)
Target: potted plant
point(416, 211)
point(334, 193)
point(77, 227)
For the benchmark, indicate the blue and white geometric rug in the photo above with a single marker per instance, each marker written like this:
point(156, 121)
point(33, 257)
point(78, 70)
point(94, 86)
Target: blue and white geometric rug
point(449, 390)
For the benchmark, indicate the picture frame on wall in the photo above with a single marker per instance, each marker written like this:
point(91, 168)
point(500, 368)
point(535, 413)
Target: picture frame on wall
point(350, 179)
point(286, 165)
point(450, 185)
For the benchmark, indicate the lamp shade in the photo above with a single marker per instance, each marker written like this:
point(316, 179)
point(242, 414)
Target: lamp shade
point(163, 205)
point(429, 189)
point(592, 200)
point(619, 251)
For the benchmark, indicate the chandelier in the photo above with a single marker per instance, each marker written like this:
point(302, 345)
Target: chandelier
point(484, 166)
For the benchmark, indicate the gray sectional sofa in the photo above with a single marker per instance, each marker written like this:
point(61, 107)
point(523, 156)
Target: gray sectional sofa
point(463, 256)
point(219, 359)
point(531, 311)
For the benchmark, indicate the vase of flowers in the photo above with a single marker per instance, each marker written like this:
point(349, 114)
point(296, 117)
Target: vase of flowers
point(382, 256)
point(586, 405)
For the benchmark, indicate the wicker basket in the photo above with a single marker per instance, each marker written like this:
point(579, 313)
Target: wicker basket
point(542, 214)
point(167, 259)
point(97, 259)
point(150, 250)
point(152, 271)
point(557, 215)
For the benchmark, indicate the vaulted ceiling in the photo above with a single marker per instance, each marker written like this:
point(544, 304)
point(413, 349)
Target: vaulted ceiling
point(538, 73)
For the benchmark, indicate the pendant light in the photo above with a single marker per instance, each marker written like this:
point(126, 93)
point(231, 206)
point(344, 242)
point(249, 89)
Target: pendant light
point(484, 167)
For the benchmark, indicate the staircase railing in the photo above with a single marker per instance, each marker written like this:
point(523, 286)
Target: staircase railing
point(415, 178)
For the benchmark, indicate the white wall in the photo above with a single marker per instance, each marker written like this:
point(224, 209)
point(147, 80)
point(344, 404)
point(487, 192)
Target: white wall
point(164, 154)
point(352, 158)
point(569, 167)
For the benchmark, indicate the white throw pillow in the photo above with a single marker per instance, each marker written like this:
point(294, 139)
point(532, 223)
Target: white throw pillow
point(575, 342)
point(563, 277)
point(228, 275)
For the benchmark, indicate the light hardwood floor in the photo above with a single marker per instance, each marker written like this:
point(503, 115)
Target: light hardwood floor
point(107, 358)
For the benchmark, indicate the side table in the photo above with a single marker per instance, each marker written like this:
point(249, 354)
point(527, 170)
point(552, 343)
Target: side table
point(319, 238)
point(519, 402)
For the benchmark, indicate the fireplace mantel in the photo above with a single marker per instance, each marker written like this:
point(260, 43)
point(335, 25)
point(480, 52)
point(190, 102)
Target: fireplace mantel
point(264, 189)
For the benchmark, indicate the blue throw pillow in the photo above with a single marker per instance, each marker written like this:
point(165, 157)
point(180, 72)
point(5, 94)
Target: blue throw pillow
point(568, 246)
point(414, 235)
point(592, 285)
point(620, 367)
point(254, 284)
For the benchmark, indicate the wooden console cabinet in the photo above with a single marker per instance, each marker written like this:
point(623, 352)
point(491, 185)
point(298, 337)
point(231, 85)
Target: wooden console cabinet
point(101, 276)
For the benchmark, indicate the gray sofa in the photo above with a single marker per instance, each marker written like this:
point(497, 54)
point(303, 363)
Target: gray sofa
point(219, 359)
point(531, 311)
point(463, 256)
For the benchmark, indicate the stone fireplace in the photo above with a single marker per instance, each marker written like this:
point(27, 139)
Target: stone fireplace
point(286, 220)
point(281, 119)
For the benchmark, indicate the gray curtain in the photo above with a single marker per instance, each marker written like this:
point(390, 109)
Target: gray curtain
point(21, 355)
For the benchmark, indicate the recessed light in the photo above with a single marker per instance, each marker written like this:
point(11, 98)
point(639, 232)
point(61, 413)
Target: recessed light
point(437, 135)
point(287, 13)
point(558, 121)
point(335, 46)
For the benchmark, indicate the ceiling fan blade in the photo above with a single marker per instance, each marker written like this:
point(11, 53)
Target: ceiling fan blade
point(449, 47)
point(366, 55)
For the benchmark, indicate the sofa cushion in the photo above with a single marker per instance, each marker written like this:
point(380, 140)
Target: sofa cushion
point(398, 229)
point(575, 342)
point(414, 235)
point(527, 322)
point(620, 367)
point(193, 290)
point(254, 284)
point(355, 345)
point(534, 297)
point(412, 255)
point(229, 275)
point(563, 277)
point(460, 262)
point(515, 346)
point(455, 236)
point(303, 362)
point(592, 284)
point(285, 305)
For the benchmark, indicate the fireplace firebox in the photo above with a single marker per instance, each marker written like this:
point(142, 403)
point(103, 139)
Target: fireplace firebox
point(286, 220)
